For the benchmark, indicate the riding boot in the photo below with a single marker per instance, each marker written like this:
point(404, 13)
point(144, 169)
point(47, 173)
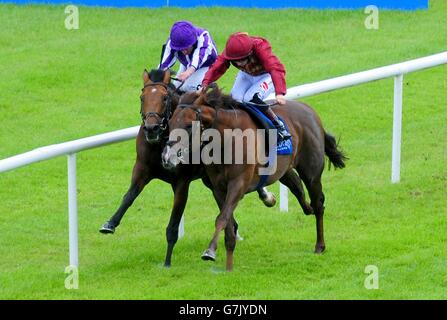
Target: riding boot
point(282, 131)
point(261, 105)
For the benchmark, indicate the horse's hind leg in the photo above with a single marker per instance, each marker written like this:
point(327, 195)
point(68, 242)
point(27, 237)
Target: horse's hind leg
point(140, 178)
point(292, 181)
point(267, 197)
point(230, 243)
point(317, 202)
point(181, 189)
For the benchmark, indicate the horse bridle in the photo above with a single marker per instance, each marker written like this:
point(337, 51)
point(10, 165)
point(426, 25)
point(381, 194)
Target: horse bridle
point(162, 119)
point(198, 112)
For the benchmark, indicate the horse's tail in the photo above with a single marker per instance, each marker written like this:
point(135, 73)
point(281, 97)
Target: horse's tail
point(336, 157)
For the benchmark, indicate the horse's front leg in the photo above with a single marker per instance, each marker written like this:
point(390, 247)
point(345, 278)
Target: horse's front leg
point(181, 189)
point(140, 178)
point(225, 219)
point(220, 200)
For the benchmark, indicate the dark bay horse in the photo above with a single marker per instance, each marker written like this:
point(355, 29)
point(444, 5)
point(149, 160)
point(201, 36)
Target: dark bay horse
point(158, 101)
point(231, 181)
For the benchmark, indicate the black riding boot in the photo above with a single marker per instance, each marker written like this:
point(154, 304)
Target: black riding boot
point(282, 131)
point(261, 105)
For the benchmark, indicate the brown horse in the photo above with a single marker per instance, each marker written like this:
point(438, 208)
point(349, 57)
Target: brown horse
point(158, 101)
point(232, 181)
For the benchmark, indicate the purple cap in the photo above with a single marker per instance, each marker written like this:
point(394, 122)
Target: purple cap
point(183, 35)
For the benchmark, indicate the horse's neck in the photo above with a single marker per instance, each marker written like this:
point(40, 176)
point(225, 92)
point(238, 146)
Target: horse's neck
point(230, 118)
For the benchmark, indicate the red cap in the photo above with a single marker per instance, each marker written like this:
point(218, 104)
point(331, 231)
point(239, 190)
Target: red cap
point(239, 46)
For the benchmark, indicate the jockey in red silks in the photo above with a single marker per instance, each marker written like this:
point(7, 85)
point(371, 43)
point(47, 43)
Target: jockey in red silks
point(195, 50)
point(261, 73)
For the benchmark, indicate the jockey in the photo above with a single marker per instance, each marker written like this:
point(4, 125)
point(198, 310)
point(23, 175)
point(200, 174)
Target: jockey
point(261, 73)
point(194, 48)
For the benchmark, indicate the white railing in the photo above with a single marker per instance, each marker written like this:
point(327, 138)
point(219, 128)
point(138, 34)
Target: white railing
point(71, 148)
point(395, 70)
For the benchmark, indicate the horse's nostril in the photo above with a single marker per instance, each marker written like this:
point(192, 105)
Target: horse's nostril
point(152, 128)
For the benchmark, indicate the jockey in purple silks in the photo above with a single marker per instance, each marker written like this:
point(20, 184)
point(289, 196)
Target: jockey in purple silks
point(195, 50)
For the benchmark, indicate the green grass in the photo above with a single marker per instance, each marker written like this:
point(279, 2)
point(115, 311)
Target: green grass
point(58, 85)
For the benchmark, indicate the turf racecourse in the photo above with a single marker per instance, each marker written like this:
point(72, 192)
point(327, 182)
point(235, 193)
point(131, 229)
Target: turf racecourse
point(58, 85)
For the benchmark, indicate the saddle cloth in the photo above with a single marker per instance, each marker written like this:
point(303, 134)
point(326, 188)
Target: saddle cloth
point(283, 147)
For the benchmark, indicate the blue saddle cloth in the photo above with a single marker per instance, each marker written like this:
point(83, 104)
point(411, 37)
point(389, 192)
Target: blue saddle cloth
point(283, 147)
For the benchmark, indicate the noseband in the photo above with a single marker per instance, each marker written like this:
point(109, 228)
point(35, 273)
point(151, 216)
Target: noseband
point(162, 119)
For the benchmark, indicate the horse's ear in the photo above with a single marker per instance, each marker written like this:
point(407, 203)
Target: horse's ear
point(211, 86)
point(214, 91)
point(213, 95)
point(167, 77)
point(146, 76)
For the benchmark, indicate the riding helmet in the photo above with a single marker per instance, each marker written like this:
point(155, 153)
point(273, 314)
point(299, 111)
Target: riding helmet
point(183, 35)
point(239, 46)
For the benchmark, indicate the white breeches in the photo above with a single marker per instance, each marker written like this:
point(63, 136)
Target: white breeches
point(246, 86)
point(192, 83)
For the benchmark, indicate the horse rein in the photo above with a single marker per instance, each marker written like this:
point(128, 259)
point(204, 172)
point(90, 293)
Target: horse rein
point(198, 112)
point(182, 82)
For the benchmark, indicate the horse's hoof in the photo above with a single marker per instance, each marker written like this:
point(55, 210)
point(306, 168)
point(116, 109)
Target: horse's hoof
point(107, 228)
point(308, 210)
point(319, 249)
point(269, 200)
point(209, 255)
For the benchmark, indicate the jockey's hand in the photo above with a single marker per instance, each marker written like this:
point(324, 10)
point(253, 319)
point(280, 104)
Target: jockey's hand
point(186, 74)
point(202, 89)
point(280, 99)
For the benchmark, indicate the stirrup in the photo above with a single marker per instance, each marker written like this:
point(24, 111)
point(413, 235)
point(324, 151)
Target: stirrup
point(282, 132)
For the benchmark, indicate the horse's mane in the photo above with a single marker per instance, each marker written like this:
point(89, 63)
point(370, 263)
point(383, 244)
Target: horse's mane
point(156, 75)
point(188, 98)
point(216, 99)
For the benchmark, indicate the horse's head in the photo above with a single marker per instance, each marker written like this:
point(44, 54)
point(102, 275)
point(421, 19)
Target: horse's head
point(194, 113)
point(158, 100)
